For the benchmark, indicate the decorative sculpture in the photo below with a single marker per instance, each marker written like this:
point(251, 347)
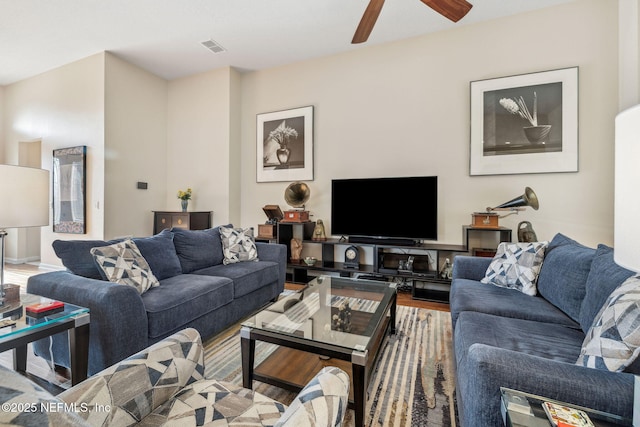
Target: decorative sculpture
point(526, 233)
point(318, 232)
point(296, 249)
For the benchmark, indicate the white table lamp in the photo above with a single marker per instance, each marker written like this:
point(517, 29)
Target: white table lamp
point(24, 196)
point(627, 205)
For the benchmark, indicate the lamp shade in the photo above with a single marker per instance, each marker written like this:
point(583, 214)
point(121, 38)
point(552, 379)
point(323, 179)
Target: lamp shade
point(627, 196)
point(24, 197)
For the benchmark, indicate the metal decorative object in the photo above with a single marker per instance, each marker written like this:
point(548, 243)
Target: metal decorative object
point(526, 233)
point(319, 233)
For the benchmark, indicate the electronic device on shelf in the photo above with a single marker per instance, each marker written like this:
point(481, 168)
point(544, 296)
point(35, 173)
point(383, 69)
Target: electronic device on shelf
point(385, 210)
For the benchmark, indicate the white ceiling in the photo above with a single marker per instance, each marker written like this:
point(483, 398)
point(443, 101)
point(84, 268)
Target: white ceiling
point(164, 36)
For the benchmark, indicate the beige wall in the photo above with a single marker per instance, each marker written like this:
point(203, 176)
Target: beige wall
point(402, 109)
point(398, 109)
point(629, 53)
point(135, 139)
point(201, 143)
point(2, 118)
point(62, 108)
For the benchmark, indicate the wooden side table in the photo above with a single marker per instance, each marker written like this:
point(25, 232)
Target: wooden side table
point(186, 220)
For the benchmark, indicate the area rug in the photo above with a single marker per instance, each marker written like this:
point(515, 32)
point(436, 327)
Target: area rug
point(413, 383)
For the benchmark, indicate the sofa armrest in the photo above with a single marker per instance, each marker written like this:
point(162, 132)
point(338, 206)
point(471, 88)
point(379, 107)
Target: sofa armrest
point(487, 368)
point(275, 252)
point(118, 325)
point(139, 384)
point(326, 394)
point(470, 267)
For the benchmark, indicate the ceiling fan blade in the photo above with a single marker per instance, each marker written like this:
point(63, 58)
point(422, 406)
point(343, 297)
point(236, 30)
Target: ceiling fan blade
point(454, 10)
point(368, 21)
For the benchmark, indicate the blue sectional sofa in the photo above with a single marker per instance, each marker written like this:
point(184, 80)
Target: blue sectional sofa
point(197, 290)
point(504, 338)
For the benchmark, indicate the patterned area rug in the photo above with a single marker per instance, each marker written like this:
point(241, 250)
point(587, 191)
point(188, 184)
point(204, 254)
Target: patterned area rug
point(413, 383)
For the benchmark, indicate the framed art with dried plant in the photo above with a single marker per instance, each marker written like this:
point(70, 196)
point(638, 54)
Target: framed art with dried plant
point(525, 124)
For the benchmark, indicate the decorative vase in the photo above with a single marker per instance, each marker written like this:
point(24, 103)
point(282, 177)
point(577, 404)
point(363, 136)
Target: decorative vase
point(537, 134)
point(185, 204)
point(283, 155)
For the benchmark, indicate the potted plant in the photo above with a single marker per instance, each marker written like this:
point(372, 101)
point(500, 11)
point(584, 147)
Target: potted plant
point(536, 134)
point(184, 197)
point(282, 135)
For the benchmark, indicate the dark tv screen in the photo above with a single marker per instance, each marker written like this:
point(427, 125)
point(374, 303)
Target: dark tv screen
point(402, 207)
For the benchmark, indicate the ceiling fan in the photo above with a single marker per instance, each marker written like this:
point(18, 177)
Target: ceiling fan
point(454, 10)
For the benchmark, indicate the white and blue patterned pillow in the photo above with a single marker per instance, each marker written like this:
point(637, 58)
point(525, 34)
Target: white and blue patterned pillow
point(516, 266)
point(238, 245)
point(123, 263)
point(613, 341)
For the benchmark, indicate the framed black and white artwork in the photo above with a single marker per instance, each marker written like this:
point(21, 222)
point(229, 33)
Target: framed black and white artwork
point(284, 145)
point(525, 124)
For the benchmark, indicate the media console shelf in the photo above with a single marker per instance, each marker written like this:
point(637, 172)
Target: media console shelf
point(382, 260)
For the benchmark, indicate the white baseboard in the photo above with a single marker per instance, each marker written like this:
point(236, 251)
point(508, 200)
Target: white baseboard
point(52, 267)
point(21, 260)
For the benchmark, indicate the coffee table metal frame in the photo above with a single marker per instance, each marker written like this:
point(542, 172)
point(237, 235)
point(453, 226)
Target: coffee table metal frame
point(362, 358)
point(74, 319)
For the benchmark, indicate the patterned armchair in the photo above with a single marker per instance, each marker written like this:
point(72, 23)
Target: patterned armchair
point(164, 384)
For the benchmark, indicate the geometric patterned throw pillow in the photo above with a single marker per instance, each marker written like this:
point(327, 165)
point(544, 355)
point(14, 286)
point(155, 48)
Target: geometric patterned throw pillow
point(516, 266)
point(238, 245)
point(613, 341)
point(123, 263)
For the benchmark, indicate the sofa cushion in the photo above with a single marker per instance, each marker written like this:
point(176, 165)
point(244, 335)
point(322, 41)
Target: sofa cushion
point(123, 263)
point(516, 266)
point(76, 256)
point(564, 273)
point(238, 245)
point(181, 299)
point(247, 276)
point(160, 253)
point(218, 403)
point(549, 341)
point(198, 249)
point(613, 341)
point(469, 295)
point(604, 277)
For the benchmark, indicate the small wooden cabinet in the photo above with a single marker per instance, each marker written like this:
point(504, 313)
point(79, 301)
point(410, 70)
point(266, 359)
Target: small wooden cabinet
point(186, 220)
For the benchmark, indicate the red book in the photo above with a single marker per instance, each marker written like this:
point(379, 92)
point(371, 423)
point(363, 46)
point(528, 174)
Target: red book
point(44, 309)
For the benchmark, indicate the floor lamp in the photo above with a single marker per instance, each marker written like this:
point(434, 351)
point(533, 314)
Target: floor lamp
point(627, 206)
point(24, 193)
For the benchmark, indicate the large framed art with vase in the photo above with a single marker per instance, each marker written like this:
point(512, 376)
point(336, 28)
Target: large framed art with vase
point(284, 145)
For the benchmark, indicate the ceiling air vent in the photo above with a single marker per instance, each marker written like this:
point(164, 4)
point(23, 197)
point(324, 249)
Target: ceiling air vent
point(213, 46)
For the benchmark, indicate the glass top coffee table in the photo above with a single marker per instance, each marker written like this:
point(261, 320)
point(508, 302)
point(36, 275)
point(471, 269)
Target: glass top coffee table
point(521, 409)
point(333, 321)
point(17, 329)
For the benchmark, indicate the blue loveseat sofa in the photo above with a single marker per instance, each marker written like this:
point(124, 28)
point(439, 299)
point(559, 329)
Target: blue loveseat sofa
point(197, 290)
point(504, 338)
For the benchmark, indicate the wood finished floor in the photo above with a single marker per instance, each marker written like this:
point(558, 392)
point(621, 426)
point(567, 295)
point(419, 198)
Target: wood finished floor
point(20, 273)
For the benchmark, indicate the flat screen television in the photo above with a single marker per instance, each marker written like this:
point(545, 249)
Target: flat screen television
point(401, 210)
